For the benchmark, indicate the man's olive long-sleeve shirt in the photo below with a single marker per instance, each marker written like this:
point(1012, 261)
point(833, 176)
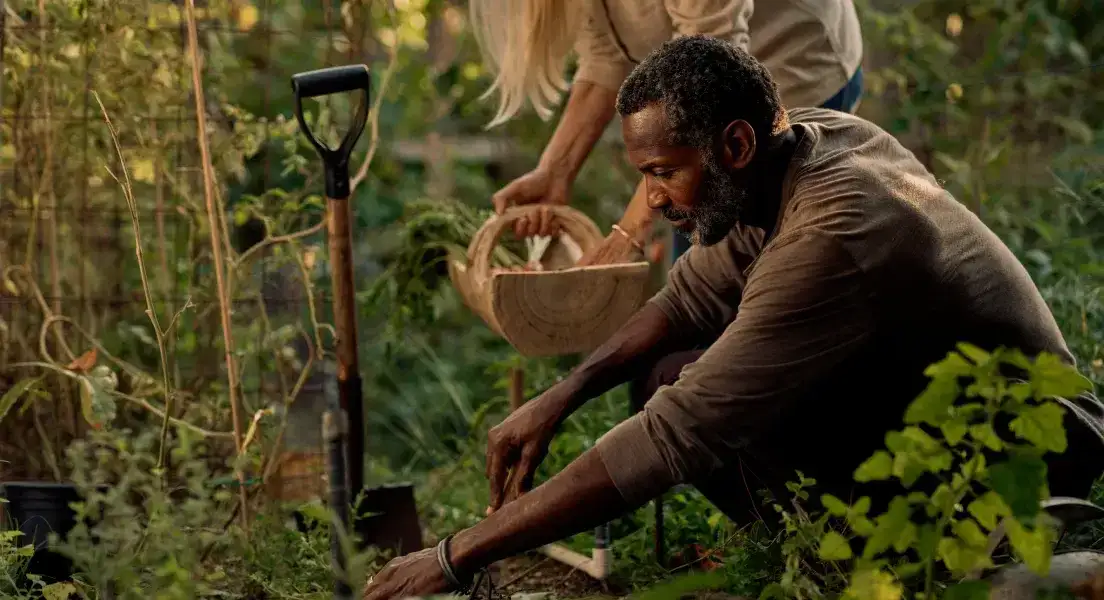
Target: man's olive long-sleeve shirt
point(824, 327)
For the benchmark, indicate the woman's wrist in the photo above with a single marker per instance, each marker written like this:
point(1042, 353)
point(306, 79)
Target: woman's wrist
point(638, 231)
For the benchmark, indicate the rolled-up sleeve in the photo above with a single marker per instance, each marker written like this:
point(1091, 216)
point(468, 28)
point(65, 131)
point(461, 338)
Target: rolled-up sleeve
point(805, 310)
point(600, 60)
point(723, 19)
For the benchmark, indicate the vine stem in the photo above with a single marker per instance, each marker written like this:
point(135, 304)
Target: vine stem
point(945, 520)
point(216, 253)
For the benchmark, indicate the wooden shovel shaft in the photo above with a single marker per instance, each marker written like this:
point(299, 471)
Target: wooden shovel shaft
point(350, 394)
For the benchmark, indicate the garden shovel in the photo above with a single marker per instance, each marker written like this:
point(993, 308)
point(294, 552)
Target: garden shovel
point(394, 524)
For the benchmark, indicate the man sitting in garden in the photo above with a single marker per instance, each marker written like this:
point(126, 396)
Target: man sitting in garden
point(829, 269)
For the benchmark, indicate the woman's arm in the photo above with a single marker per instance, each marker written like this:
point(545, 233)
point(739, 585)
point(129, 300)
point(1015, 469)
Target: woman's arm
point(589, 109)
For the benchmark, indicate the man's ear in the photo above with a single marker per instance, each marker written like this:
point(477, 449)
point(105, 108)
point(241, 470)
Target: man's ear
point(738, 140)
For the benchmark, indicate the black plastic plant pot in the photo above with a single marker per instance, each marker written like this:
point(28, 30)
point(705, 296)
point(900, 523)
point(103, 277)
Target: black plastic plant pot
point(37, 508)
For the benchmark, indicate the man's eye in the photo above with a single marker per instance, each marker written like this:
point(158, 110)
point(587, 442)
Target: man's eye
point(663, 174)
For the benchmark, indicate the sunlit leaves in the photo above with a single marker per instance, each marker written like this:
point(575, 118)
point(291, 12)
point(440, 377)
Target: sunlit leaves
point(873, 585)
point(1031, 545)
point(950, 428)
point(1042, 426)
point(988, 509)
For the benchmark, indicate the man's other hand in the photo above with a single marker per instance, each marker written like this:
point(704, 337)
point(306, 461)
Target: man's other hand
point(517, 445)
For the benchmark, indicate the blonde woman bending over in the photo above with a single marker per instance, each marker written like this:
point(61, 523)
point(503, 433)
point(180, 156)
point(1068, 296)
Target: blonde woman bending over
point(812, 48)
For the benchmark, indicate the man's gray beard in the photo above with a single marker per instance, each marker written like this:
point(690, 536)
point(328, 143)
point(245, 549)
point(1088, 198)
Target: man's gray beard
point(722, 204)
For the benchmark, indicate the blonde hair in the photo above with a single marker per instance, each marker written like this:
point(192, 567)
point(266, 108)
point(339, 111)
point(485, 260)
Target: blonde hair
point(525, 44)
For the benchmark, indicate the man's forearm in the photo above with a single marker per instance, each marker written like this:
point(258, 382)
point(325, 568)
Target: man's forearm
point(578, 498)
point(589, 109)
point(645, 338)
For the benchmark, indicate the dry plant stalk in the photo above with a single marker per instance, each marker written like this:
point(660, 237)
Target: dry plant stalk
point(159, 332)
point(216, 254)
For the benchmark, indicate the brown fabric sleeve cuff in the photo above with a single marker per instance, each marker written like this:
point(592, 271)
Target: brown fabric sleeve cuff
point(633, 462)
point(609, 75)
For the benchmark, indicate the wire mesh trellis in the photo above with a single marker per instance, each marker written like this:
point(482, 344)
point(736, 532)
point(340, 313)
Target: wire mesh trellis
point(68, 236)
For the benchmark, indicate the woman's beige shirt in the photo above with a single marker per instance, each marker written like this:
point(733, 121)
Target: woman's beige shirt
point(811, 47)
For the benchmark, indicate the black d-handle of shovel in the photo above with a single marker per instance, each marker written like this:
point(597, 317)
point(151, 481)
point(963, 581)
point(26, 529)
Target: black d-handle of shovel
point(324, 82)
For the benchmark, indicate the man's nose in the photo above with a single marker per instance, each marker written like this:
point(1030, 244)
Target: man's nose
point(657, 199)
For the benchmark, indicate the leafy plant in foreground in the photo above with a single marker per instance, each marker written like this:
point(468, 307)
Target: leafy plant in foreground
point(953, 435)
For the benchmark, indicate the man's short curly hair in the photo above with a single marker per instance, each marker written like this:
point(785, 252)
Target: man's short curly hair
point(704, 84)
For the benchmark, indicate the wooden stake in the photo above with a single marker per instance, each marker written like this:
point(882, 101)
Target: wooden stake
point(517, 388)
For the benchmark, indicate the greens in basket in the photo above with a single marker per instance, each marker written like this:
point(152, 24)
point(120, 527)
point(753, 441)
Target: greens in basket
point(429, 234)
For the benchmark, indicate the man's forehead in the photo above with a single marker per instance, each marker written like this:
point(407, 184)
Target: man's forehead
point(646, 128)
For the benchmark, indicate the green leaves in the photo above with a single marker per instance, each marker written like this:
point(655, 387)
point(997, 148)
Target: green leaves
point(894, 529)
point(1021, 482)
point(876, 468)
point(1031, 545)
point(1042, 426)
point(10, 397)
point(949, 434)
point(988, 509)
point(834, 546)
point(916, 453)
point(1052, 377)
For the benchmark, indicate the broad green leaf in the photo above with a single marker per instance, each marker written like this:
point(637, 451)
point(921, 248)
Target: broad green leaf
point(933, 405)
point(908, 570)
point(984, 434)
point(1020, 481)
point(961, 558)
point(968, 531)
point(988, 509)
point(873, 585)
point(834, 546)
point(1042, 426)
point(833, 505)
point(942, 500)
point(916, 453)
point(58, 591)
point(951, 367)
point(892, 528)
point(968, 590)
point(954, 430)
point(861, 506)
point(1020, 391)
point(876, 468)
point(972, 352)
point(1052, 377)
point(10, 397)
point(1032, 546)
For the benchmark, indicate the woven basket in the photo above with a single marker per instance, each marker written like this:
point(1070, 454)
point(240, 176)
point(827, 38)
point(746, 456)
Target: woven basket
point(553, 312)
